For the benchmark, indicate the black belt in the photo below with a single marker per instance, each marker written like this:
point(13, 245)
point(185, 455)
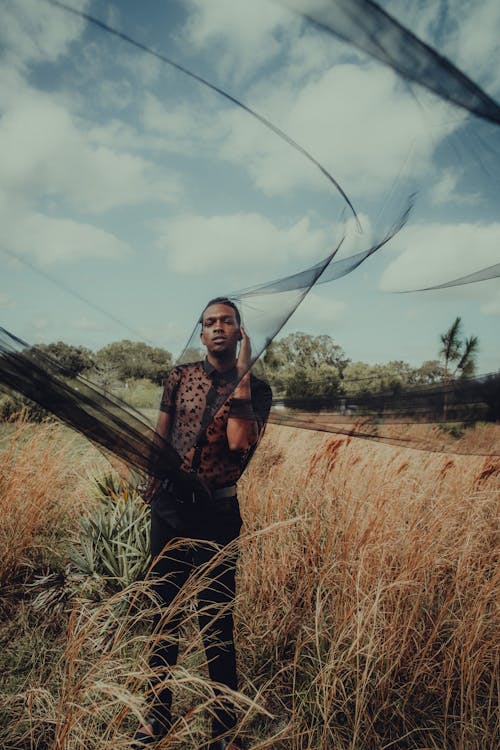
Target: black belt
point(224, 492)
point(219, 493)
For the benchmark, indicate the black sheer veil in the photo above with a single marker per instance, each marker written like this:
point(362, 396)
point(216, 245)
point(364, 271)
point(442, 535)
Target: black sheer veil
point(268, 305)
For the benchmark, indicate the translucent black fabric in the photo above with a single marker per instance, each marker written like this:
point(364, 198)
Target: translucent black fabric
point(462, 399)
point(369, 27)
point(105, 420)
point(403, 416)
point(268, 305)
point(484, 274)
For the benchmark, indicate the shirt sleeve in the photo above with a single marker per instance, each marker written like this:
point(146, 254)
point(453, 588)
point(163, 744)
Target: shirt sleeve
point(170, 389)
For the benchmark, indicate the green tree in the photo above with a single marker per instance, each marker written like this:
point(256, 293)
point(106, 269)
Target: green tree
point(395, 376)
point(134, 359)
point(310, 351)
point(301, 365)
point(431, 371)
point(360, 378)
point(459, 355)
point(74, 359)
point(298, 384)
point(391, 377)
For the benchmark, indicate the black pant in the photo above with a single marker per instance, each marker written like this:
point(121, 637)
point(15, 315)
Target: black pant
point(220, 522)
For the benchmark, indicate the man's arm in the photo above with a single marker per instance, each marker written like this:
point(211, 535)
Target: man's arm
point(242, 431)
point(242, 424)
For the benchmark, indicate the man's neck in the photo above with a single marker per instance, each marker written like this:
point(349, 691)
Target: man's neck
point(222, 364)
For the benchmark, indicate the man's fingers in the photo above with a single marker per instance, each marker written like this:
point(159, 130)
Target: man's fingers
point(245, 341)
point(245, 351)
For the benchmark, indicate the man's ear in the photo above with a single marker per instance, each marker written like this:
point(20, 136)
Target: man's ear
point(240, 335)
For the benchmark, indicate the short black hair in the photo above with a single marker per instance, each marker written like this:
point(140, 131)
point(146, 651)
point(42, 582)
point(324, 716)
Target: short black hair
point(222, 301)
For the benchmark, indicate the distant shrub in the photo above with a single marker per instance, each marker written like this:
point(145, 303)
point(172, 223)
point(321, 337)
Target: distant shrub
point(140, 393)
point(8, 407)
point(13, 404)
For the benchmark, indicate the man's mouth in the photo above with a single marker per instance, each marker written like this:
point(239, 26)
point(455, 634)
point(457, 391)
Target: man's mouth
point(218, 339)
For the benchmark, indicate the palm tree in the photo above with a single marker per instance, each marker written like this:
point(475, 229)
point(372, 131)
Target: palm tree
point(467, 362)
point(452, 345)
point(460, 351)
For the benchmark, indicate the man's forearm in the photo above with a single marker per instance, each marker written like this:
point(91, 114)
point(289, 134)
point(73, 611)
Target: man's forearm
point(242, 426)
point(242, 433)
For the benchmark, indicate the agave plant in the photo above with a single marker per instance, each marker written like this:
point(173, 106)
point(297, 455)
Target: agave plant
point(51, 591)
point(113, 542)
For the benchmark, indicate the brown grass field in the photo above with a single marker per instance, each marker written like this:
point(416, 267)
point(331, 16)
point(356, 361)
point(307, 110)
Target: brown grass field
point(367, 610)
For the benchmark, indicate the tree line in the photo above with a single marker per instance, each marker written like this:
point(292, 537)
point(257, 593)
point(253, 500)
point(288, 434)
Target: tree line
point(301, 365)
point(298, 365)
point(114, 365)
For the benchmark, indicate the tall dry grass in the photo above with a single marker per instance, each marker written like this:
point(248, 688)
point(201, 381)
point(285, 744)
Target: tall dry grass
point(367, 609)
point(380, 604)
point(44, 474)
point(74, 666)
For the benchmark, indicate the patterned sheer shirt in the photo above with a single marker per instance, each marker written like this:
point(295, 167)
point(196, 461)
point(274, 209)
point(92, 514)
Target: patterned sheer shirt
point(199, 402)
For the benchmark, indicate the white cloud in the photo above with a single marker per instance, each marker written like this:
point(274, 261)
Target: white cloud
point(185, 127)
point(357, 120)
point(354, 120)
point(48, 240)
point(247, 35)
point(445, 190)
point(44, 151)
point(113, 73)
point(244, 242)
point(32, 31)
point(433, 254)
point(317, 313)
point(116, 96)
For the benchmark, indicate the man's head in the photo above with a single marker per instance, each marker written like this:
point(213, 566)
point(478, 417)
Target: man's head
point(220, 327)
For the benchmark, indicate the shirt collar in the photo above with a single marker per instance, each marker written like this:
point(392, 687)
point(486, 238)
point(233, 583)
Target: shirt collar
point(226, 377)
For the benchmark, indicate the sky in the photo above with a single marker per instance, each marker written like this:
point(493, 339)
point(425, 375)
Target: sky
point(130, 194)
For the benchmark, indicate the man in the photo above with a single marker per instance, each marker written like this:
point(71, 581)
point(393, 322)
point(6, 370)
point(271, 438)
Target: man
point(213, 413)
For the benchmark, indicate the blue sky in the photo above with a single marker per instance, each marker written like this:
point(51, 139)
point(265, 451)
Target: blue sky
point(126, 188)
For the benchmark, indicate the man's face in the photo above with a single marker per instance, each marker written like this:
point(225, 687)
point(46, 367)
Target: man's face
point(220, 331)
